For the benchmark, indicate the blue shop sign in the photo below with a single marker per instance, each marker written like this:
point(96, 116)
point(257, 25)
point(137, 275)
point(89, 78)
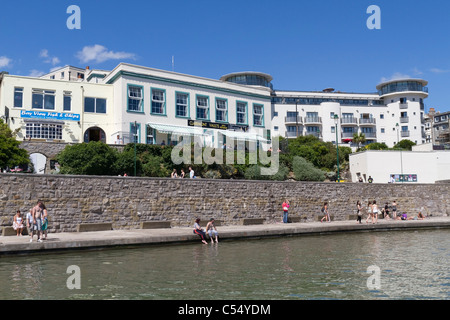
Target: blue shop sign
point(49, 115)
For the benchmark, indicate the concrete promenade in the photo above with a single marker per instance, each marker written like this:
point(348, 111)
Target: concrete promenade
point(178, 235)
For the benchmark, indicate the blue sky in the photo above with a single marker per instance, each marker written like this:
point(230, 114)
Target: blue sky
point(304, 45)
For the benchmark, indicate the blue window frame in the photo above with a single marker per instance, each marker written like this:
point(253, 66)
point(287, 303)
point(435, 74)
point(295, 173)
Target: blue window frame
point(241, 112)
point(135, 132)
point(135, 98)
point(258, 115)
point(202, 109)
point(94, 105)
point(158, 105)
point(221, 110)
point(182, 105)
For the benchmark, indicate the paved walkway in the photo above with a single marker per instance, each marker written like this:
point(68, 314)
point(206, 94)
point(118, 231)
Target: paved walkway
point(116, 238)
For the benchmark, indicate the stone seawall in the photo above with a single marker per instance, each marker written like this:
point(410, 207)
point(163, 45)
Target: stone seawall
point(127, 201)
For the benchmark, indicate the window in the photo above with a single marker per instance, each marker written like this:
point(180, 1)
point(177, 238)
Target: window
point(241, 112)
point(150, 136)
point(258, 115)
point(95, 105)
point(221, 110)
point(135, 98)
point(382, 130)
point(67, 100)
point(43, 99)
point(47, 131)
point(182, 105)
point(158, 102)
point(333, 130)
point(18, 97)
point(135, 132)
point(381, 116)
point(402, 100)
point(202, 107)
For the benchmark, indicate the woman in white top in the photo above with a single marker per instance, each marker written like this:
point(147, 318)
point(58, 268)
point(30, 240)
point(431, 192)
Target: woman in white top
point(18, 223)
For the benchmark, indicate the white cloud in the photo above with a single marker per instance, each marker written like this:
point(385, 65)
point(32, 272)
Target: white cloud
point(4, 62)
point(36, 73)
point(44, 53)
point(52, 60)
point(396, 76)
point(438, 70)
point(99, 53)
point(417, 72)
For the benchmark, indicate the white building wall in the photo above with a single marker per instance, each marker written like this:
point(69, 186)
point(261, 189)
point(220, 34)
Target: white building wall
point(73, 130)
point(429, 166)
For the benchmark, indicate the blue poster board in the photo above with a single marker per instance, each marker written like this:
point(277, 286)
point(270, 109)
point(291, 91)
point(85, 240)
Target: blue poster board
point(49, 115)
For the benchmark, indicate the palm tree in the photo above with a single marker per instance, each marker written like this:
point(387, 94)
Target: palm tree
point(359, 139)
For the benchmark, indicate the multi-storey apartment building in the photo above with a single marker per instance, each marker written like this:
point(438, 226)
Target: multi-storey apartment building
point(396, 112)
point(146, 105)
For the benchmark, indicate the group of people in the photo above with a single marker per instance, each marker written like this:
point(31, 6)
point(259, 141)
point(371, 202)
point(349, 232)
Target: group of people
point(286, 206)
point(174, 173)
point(36, 221)
point(210, 229)
point(387, 212)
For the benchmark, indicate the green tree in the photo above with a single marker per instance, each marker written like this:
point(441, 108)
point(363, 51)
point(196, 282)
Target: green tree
point(305, 170)
point(405, 144)
point(359, 139)
point(10, 153)
point(93, 158)
point(377, 146)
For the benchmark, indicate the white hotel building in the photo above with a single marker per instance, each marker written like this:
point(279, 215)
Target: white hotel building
point(155, 106)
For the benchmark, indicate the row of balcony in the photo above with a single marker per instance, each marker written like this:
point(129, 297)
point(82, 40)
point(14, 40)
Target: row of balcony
point(344, 135)
point(318, 120)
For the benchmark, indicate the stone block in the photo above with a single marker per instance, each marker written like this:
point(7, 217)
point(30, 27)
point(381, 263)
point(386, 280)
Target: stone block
point(251, 221)
point(9, 231)
point(87, 227)
point(155, 224)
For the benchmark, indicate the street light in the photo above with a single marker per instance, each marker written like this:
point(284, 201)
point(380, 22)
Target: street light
point(336, 119)
point(135, 138)
point(401, 155)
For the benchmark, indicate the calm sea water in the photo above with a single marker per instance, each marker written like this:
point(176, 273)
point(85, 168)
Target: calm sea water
point(411, 265)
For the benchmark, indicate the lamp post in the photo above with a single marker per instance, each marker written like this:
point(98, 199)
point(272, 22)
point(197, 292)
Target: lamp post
point(401, 155)
point(296, 118)
point(135, 138)
point(336, 119)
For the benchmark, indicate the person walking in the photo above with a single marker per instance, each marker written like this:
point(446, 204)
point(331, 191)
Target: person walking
point(30, 225)
point(37, 219)
point(394, 210)
point(212, 231)
point(369, 211)
point(44, 221)
point(358, 212)
point(374, 212)
point(285, 206)
point(174, 174)
point(325, 212)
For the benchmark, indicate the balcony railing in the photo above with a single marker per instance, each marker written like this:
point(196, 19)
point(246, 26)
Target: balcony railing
point(293, 134)
point(405, 134)
point(370, 135)
point(349, 121)
point(404, 119)
point(367, 121)
point(309, 120)
point(316, 134)
point(347, 135)
point(403, 106)
point(293, 119)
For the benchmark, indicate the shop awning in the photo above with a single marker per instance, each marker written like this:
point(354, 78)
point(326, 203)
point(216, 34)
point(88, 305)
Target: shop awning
point(177, 130)
point(237, 135)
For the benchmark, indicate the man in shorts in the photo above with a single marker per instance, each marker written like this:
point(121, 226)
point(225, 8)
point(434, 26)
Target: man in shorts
point(37, 213)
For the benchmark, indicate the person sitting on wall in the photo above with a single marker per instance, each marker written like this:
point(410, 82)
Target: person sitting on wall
point(199, 231)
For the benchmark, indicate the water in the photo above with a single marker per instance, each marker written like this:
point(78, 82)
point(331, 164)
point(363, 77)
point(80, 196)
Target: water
point(412, 265)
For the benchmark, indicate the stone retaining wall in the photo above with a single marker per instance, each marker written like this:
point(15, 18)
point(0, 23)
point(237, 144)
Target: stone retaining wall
point(127, 201)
